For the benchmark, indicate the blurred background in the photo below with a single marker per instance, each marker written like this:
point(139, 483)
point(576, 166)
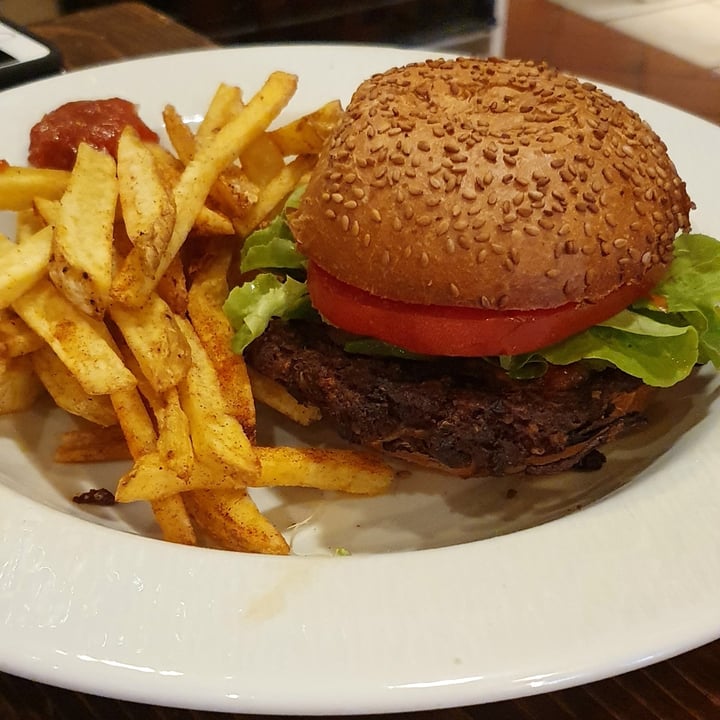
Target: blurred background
point(688, 29)
point(436, 23)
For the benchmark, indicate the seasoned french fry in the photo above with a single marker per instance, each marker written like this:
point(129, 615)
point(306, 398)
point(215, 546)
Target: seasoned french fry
point(273, 194)
point(92, 444)
point(153, 337)
point(218, 438)
point(82, 252)
point(207, 295)
point(225, 104)
point(172, 287)
point(208, 222)
point(174, 443)
point(148, 207)
point(172, 517)
point(99, 306)
point(308, 133)
point(28, 222)
point(48, 210)
point(16, 338)
point(149, 478)
point(271, 393)
point(326, 469)
point(152, 479)
point(234, 521)
point(67, 392)
point(22, 265)
point(211, 159)
point(262, 160)
point(180, 135)
point(232, 190)
point(19, 186)
point(81, 342)
point(19, 386)
point(135, 421)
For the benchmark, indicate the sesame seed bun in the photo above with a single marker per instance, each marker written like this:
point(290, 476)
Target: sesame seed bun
point(490, 183)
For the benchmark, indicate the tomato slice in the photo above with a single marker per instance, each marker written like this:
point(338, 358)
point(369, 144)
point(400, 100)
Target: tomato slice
point(457, 331)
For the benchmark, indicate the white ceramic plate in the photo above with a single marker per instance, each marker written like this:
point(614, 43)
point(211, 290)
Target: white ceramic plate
point(456, 592)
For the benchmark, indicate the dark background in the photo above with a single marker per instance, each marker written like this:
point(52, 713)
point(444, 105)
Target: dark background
point(397, 22)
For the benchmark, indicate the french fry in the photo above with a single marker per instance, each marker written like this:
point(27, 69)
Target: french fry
point(28, 222)
point(172, 517)
point(218, 438)
point(148, 207)
point(180, 135)
point(273, 194)
point(233, 520)
point(81, 342)
point(345, 471)
point(47, 209)
point(99, 306)
point(232, 190)
point(225, 104)
point(82, 252)
point(308, 133)
point(208, 222)
point(135, 422)
point(207, 294)
point(19, 186)
point(172, 287)
point(92, 444)
point(174, 443)
point(151, 479)
point(67, 392)
point(210, 160)
point(141, 439)
point(262, 160)
point(19, 386)
point(22, 265)
point(271, 393)
point(152, 334)
point(16, 338)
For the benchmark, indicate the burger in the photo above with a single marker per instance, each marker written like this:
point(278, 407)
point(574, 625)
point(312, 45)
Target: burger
point(489, 271)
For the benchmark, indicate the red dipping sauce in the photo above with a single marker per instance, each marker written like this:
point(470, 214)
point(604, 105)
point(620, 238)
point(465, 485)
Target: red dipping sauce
point(55, 139)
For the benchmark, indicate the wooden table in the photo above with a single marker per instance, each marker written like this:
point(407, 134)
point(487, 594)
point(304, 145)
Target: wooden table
point(685, 687)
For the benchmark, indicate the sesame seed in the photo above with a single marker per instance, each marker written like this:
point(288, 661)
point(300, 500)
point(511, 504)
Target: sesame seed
point(442, 227)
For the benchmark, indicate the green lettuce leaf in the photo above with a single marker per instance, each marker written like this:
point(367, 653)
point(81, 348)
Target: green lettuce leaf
point(273, 247)
point(659, 339)
point(250, 306)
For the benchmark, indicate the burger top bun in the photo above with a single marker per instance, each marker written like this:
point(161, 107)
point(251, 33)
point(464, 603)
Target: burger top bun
point(490, 183)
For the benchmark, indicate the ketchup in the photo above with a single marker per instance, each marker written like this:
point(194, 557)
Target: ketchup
point(55, 139)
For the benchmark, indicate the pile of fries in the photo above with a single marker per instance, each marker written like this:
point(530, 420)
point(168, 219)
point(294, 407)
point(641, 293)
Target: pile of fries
point(111, 301)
